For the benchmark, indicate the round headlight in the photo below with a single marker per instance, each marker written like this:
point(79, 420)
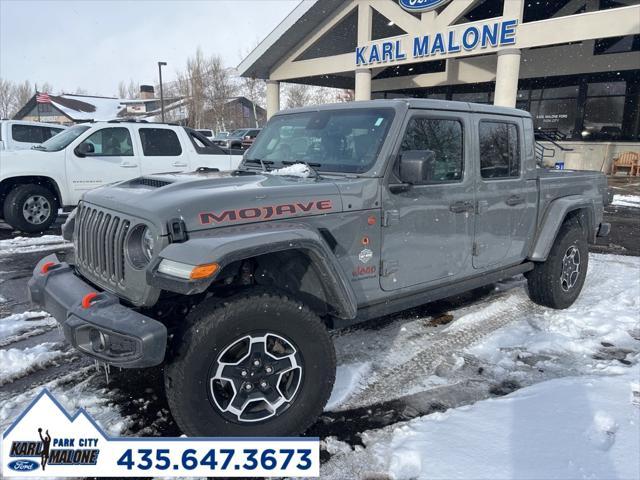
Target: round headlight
point(140, 246)
point(147, 243)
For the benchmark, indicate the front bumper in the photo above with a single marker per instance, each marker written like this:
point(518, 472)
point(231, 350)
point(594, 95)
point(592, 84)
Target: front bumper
point(101, 328)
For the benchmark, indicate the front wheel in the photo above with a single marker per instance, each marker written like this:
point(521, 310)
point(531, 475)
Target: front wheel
point(558, 281)
point(256, 364)
point(30, 208)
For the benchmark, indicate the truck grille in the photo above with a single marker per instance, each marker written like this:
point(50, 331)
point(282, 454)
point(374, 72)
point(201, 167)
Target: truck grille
point(100, 244)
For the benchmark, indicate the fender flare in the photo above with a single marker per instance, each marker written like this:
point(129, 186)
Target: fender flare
point(554, 216)
point(231, 244)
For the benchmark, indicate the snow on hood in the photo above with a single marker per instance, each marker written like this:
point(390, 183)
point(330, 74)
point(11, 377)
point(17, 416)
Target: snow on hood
point(296, 170)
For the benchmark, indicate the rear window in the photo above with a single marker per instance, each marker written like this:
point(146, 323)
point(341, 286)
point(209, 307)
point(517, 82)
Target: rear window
point(29, 133)
point(160, 142)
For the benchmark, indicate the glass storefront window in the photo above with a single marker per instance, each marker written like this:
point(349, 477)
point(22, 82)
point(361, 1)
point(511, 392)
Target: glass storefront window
point(555, 115)
point(607, 88)
point(561, 92)
point(603, 118)
point(475, 97)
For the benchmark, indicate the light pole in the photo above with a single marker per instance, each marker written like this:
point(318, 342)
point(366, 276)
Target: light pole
point(160, 65)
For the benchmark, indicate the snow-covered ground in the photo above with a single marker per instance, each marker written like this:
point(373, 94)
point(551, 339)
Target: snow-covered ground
point(488, 387)
point(627, 200)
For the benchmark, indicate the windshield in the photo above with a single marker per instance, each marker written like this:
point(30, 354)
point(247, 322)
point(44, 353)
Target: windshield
point(331, 140)
point(64, 138)
point(238, 133)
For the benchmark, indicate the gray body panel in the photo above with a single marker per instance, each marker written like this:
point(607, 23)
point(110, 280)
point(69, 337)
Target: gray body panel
point(371, 245)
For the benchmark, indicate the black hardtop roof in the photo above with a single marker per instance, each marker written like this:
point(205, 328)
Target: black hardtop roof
point(418, 103)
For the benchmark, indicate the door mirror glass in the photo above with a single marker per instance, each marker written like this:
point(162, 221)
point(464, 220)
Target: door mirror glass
point(417, 166)
point(85, 149)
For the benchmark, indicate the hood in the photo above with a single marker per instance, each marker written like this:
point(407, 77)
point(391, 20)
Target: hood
point(216, 199)
point(28, 162)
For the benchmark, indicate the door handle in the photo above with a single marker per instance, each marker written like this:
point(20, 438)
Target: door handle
point(514, 200)
point(461, 207)
point(128, 165)
point(178, 164)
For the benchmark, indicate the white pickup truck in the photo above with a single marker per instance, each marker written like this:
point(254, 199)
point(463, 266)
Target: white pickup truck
point(22, 135)
point(35, 183)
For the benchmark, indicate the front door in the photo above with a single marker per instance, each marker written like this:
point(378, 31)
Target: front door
point(161, 151)
point(506, 194)
point(113, 159)
point(428, 230)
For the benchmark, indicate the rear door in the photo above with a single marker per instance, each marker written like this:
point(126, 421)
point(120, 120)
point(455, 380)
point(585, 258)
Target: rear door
point(161, 151)
point(428, 229)
point(506, 194)
point(114, 159)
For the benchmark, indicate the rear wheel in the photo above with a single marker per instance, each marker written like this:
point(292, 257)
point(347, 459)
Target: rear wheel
point(258, 363)
point(558, 281)
point(30, 208)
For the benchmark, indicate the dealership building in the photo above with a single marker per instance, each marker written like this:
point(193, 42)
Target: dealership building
point(574, 64)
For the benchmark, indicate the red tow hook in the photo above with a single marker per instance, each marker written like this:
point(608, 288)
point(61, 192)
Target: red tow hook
point(46, 267)
point(87, 299)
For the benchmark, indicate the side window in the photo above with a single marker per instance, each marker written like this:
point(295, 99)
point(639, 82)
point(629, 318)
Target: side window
point(444, 139)
point(499, 150)
point(111, 142)
point(160, 142)
point(28, 133)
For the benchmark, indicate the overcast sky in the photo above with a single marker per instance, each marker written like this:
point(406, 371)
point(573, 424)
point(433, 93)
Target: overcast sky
point(93, 44)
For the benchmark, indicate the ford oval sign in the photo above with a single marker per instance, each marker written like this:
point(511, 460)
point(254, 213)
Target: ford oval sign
point(417, 6)
point(23, 465)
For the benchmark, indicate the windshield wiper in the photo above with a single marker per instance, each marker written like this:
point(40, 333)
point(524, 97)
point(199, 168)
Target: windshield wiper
point(263, 163)
point(38, 147)
point(310, 166)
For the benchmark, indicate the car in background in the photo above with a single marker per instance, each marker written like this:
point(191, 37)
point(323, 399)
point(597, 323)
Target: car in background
point(22, 135)
point(235, 138)
point(247, 141)
point(206, 132)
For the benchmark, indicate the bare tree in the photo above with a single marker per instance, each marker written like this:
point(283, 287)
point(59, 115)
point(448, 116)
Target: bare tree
point(23, 93)
point(208, 86)
point(297, 95)
point(46, 87)
point(7, 98)
point(122, 89)
point(254, 89)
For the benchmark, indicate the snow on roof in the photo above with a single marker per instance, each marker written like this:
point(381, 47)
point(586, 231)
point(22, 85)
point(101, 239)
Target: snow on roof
point(84, 107)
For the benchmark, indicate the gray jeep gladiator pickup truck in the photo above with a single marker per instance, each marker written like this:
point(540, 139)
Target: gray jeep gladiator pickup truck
point(336, 215)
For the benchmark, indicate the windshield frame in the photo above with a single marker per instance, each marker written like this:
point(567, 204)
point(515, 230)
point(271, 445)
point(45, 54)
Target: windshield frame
point(391, 114)
point(69, 132)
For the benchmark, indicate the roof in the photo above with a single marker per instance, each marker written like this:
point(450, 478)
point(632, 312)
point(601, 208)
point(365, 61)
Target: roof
point(307, 16)
point(79, 107)
point(417, 103)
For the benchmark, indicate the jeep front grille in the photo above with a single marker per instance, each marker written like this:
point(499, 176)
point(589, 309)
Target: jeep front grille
point(100, 244)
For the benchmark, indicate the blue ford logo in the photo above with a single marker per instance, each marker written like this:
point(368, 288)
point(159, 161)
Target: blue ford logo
point(421, 5)
point(23, 465)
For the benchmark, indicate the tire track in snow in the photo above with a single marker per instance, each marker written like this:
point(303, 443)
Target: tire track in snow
point(388, 384)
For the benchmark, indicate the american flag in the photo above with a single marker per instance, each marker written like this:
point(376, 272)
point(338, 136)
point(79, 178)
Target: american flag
point(43, 98)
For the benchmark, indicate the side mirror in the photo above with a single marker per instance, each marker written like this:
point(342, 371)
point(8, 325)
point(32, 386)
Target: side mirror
point(417, 166)
point(84, 149)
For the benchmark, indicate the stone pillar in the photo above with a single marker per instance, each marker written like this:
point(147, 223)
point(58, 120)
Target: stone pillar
point(507, 73)
point(273, 97)
point(363, 84)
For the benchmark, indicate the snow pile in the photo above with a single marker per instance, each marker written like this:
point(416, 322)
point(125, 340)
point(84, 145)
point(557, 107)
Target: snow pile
point(21, 323)
point(564, 428)
point(598, 334)
point(32, 244)
point(348, 378)
point(296, 170)
point(15, 362)
point(627, 200)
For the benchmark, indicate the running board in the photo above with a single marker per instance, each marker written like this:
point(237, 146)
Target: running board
point(422, 297)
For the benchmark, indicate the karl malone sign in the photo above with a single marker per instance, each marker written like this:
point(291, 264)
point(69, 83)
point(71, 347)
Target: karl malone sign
point(479, 36)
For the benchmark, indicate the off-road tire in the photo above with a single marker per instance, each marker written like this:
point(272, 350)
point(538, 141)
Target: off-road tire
point(14, 203)
point(217, 323)
point(544, 281)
